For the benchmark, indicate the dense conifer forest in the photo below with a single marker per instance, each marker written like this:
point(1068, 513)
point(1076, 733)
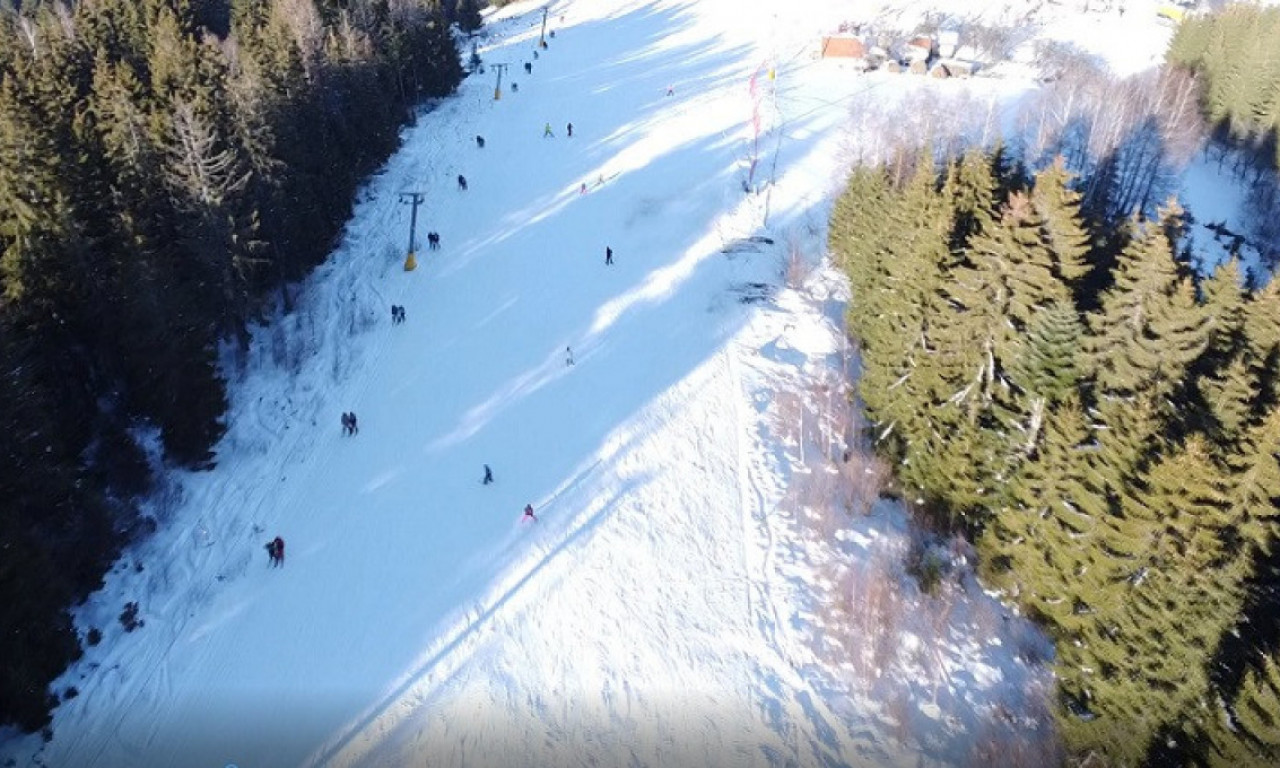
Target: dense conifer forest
point(1236, 55)
point(167, 168)
point(1049, 374)
point(1103, 422)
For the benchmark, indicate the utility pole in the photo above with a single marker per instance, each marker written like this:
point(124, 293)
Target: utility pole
point(497, 89)
point(415, 199)
point(542, 41)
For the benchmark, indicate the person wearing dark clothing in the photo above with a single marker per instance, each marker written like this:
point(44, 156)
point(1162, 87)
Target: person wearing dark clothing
point(462, 182)
point(515, 87)
point(488, 475)
point(346, 423)
point(275, 552)
point(528, 68)
point(355, 428)
point(528, 514)
point(569, 130)
point(480, 142)
point(608, 255)
point(568, 355)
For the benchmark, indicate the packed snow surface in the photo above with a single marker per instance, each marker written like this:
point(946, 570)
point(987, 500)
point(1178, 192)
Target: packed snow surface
point(659, 611)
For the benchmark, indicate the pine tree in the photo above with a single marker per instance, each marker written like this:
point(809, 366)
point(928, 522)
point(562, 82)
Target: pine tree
point(1059, 207)
point(467, 15)
point(1262, 337)
point(1224, 304)
point(36, 224)
point(1175, 589)
point(1150, 327)
point(902, 271)
point(1253, 735)
point(1229, 393)
point(972, 188)
point(1129, 432)
point(1255, 493)
point(1047, 364)
point(1042, 544)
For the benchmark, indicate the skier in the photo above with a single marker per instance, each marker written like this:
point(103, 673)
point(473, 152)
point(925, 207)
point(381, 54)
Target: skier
point(568, 356)
point(462, 182)
point(546, 132)
point(528, 514)
point(355, 428)
point(528, 68)
point(608, 255)
point(515, 87)
point(671, 89)
point(583, 189)
point(395, 318)
point(480, 142)
point(569, 129)
point(488, 475)
point(346, 423)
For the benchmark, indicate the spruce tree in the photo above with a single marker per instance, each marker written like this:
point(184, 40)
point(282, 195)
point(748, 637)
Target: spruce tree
point(467, 15)
point(36, 222)
point(1047, 361)
point(1150, 327)
point(972, 187)
point(1255, 491)
point(1059, 207)
point(1175, 587)
point(1042, 544)
point(1252, 735)
point(1230, 392)
point(1262, 337)
point(1224, 308)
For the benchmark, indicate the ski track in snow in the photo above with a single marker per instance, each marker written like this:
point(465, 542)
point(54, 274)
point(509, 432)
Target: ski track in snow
point(655, 614)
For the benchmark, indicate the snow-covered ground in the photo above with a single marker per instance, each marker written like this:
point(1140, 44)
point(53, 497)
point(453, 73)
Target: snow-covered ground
point(661, 610)
point(1215, 196)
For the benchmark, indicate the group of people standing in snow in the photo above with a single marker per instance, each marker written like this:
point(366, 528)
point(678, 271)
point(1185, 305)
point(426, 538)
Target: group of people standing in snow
point(275, 552)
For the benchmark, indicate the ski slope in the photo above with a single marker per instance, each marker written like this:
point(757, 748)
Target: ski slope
point(652, 614)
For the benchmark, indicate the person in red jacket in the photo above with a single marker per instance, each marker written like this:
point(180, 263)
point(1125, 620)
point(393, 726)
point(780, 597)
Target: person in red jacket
point(528, 514)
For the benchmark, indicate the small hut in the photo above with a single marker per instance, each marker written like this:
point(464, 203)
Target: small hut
point(843, 47)
point(920, 48)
